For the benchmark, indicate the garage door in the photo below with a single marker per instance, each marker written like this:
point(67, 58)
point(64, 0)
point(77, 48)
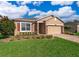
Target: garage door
point(54, 30)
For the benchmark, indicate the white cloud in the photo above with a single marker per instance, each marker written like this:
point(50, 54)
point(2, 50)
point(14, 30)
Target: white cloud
point(12, 11)
point(23, 2)
point(77, 3)
point(71, 18)
point(44, 14)
point(37, 3)
point(34, 11)
point(26, 2)
point(64, 11)
point(61, 2)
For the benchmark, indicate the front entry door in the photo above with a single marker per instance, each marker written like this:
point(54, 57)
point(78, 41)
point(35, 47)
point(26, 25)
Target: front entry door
point(41, 28)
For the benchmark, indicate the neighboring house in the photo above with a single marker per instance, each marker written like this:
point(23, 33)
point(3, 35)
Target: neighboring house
point(47, 25)
point(72, 26)
point(78, 27)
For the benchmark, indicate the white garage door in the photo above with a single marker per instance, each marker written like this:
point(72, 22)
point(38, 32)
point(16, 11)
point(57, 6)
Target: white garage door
point(54, 30)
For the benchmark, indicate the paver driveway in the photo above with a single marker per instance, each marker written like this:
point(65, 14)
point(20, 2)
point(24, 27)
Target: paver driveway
point(69, 37)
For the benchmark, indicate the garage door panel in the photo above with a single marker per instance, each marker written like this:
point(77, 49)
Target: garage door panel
point(54, 30)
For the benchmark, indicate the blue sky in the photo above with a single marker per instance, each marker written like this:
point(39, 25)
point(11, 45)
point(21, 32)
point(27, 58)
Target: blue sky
point(65, 10)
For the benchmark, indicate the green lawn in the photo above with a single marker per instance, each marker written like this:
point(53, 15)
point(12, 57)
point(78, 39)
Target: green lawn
point(55, 47)
point(76, 33)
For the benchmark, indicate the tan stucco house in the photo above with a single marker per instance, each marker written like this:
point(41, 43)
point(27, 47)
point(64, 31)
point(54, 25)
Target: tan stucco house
point(78, 27)
point(47, 25)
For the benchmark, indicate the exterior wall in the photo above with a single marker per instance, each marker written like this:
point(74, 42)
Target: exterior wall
point(17, 31)
point(54, 21)
point(78, 28)
point(33, 27)
point(41, 20)
point(62, 29)
point(54, 26)
point(51, 21)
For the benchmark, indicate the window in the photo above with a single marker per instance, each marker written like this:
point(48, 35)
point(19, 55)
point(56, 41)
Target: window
point(28, 26)
point(25, 26)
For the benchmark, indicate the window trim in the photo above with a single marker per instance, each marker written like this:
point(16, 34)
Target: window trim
point(25, 30)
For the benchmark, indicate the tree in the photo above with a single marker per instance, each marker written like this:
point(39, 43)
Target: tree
point(7, 26)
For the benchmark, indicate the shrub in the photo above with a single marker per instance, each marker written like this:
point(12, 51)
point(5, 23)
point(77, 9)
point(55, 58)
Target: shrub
point(7, 26)
point(42, 36)
point(49, 36)
point(19, 37)
point(70, 33)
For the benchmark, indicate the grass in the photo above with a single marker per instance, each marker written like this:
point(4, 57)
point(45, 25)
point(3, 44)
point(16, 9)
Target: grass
point(76, 33)
point(53, 47)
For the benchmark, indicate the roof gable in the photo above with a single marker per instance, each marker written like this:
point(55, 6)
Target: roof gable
point(49, 17)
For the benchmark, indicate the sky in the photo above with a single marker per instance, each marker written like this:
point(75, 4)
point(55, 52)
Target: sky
point(65, 10)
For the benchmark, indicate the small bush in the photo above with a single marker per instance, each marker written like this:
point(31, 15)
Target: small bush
point(49, 36)
point(70, 33)
point(12, 40)
point(42, 36)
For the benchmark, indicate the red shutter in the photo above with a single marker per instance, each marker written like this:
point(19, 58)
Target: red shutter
point(18, 26)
